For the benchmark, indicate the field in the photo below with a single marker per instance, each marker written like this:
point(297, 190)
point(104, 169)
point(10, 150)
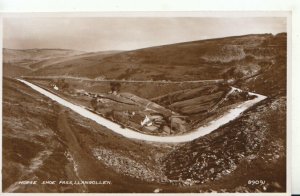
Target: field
point(170, 113)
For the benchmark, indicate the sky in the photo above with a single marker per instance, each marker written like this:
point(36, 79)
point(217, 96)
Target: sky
point(121, 33)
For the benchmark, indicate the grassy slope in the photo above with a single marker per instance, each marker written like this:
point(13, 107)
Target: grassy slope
point(18, 55)
point(11, 70)
point(250, 148)
point(206, 59)
point(21, 62)
point(260, 138)
point(73, 58)
point(29, 55)
point(259, 64)
point(272, 79)
point(39, 137)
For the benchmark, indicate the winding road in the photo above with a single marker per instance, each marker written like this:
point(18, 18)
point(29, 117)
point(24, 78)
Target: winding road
point(128, 133)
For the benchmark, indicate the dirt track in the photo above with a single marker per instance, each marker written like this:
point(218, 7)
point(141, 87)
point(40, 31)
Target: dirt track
point(85, 165)
point(125, 81)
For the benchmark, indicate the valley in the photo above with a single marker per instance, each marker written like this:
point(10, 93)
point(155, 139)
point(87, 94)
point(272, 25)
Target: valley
point(202, 116)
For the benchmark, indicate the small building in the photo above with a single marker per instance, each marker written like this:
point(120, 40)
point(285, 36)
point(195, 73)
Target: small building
point(55, 88)
point(146, 122)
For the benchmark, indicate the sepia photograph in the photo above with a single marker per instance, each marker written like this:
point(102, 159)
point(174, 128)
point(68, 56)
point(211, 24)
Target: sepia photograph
point(154, 103)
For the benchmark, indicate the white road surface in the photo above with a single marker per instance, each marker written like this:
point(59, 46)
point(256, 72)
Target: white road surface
point(131, 134)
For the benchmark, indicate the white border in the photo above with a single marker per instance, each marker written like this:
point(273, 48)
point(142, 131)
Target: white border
point(144, 5)
point(8, 6)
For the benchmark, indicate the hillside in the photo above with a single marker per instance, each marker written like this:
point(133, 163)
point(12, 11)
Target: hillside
point(230, 57)
point(271, 80)
point(44, 140)
point(252, 147)
point(21, 62)
point(26, 56)
point(72, 58)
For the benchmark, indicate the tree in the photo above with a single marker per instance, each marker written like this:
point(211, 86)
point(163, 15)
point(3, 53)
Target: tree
point(115, 86)
point(63, 85)
point(94, 103)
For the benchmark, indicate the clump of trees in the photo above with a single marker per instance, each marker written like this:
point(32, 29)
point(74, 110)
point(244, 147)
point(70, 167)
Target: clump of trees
point(62, 84)
point(115, 86)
